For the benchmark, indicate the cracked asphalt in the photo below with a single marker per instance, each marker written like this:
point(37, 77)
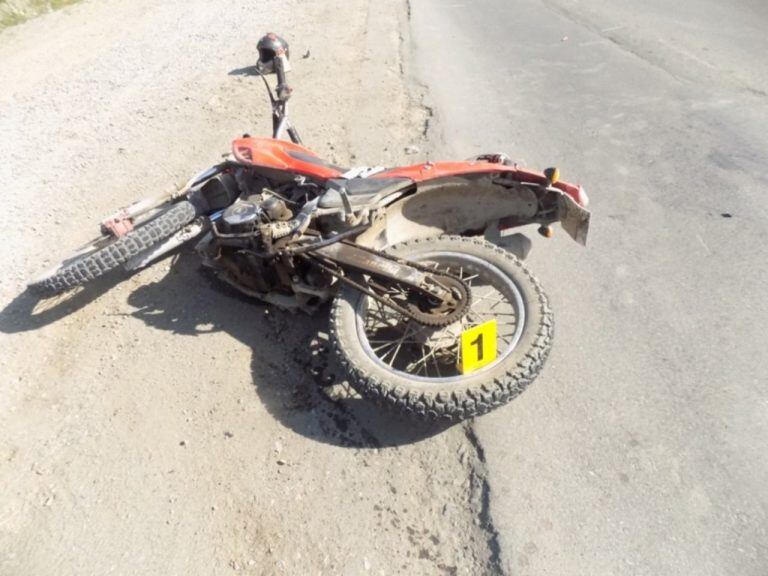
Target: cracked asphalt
point(641, 449)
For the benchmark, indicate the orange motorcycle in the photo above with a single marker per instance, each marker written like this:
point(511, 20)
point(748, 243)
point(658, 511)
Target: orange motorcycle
point(434, 313)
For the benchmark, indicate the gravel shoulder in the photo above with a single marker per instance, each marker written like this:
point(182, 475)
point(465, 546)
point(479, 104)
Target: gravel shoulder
point(167, 425)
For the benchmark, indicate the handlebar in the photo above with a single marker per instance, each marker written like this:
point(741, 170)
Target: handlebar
point(280, 121)
point(283, 90)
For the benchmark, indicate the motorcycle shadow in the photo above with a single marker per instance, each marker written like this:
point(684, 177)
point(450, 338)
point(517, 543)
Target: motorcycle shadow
point(293, 369)
point(28, 311)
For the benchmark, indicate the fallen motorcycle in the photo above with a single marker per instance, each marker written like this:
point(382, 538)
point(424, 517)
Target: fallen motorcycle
point(434, 313)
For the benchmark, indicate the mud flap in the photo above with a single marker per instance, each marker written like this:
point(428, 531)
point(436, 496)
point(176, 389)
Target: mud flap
point(573, 218)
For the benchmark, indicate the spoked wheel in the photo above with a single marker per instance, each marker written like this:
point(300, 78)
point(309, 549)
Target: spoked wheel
point(105, 253)
point(417, 369)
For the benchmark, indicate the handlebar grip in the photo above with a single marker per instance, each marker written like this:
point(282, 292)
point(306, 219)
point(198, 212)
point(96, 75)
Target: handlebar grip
point(283, 90)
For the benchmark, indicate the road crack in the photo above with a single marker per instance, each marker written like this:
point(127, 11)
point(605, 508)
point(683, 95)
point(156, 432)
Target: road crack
point(480, 484)
point(418, 91)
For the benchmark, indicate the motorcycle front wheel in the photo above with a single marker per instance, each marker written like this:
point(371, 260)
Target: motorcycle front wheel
point(416, 369)
point(105, 253)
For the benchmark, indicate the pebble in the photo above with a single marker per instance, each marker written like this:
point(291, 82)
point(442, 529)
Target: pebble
point(412, 149)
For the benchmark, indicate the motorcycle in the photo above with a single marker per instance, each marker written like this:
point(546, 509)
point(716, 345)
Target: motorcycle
point(433, 312)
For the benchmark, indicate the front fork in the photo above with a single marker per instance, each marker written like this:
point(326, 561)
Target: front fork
point(124, 220)
point(280, 122)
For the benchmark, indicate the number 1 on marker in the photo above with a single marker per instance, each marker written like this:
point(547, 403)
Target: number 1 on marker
point(477, 347)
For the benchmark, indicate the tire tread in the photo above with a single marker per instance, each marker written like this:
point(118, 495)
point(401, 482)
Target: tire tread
point(464, 403)
point(96, 264)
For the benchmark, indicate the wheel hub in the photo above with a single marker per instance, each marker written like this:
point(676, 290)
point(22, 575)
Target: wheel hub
point(441, 312)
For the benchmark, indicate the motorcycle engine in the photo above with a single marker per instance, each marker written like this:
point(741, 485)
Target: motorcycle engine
point(244, 216)
point(242, 250)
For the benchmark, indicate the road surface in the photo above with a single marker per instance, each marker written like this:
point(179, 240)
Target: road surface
point(642, 447)
point(167, 426)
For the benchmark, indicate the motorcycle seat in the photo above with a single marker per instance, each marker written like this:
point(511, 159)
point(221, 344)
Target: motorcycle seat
point(360, 191)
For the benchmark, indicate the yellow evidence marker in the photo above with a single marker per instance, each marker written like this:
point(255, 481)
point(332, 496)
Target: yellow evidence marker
point(478, 347)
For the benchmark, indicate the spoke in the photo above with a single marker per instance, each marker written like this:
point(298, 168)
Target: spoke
point(474, 314)
point(425, 359)
point(388, 343)
point(398, 345)
point(486, 297)
point(415, 364)
point(420, 362)
point(404, 345)
point(499, 301)
point(437, 367)
point(397, 351)
point(484, 310)
point(496, 313)
point(424, 355)
point(384, 356)
point(383, 313)
point(374, 318)
point(471, 314)
point(425, 351)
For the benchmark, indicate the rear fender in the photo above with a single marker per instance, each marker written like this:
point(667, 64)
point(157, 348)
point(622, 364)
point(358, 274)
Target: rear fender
point(470, 204)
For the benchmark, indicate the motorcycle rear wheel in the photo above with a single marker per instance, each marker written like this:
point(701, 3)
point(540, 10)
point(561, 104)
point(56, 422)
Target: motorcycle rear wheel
point(105, 253)
point(413, 369)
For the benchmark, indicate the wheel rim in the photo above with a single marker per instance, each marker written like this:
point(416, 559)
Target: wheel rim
point(429, 355)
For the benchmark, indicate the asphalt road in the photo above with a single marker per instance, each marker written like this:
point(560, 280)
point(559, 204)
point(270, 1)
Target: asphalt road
point(642, 447)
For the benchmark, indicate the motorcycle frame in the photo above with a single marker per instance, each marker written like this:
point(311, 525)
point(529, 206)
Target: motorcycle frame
point(434, 202)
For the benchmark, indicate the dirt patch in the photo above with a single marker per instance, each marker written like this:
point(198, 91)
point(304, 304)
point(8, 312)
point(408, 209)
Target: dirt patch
point(166, 425)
